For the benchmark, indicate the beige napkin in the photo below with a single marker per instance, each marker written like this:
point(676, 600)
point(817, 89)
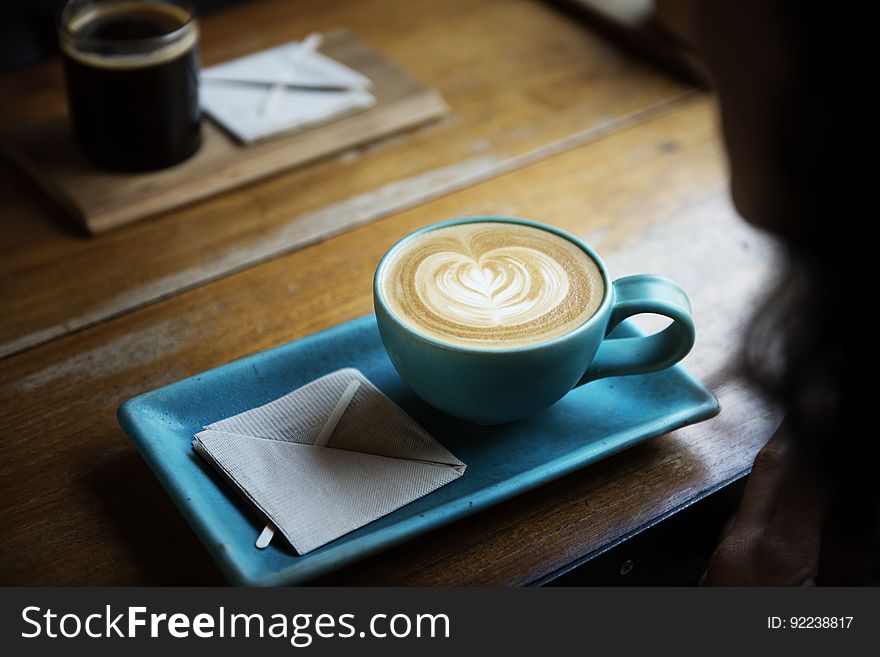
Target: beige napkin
point(376, 459)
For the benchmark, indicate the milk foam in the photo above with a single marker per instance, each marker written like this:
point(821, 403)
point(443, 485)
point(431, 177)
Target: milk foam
point(491, 284)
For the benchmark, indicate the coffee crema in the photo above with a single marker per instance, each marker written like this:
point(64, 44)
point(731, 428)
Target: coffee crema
point(491, 284)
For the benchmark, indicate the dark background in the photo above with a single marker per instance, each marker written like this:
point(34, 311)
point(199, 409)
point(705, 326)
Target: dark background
point(27, 28)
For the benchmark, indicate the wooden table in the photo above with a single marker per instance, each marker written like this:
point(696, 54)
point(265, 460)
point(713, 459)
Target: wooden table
point(548, 121)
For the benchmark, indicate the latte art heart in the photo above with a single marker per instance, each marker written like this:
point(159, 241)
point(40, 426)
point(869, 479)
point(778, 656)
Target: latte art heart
point(505, 287)
point(491, 284)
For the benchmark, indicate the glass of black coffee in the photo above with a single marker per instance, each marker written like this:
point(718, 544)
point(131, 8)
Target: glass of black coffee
point(131, 69)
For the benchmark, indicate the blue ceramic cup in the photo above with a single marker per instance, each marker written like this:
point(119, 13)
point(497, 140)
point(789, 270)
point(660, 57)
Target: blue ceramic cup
point(499, 385)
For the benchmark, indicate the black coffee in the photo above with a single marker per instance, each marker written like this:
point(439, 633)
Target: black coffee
point(132, 80)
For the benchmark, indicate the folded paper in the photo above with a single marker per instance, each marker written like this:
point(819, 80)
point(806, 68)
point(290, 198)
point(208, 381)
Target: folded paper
point(305, 86)
point(376, 460)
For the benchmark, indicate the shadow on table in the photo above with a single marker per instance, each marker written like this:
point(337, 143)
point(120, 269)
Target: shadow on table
point(161, 542)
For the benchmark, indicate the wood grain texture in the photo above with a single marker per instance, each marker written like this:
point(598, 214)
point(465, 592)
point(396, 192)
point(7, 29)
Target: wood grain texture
point(650, 198)
point(102, 200)
point(523, 83)
point(636, 25)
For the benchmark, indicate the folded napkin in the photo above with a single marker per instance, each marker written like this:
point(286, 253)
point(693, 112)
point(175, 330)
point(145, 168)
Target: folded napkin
point(285, 88)
point(327, 458)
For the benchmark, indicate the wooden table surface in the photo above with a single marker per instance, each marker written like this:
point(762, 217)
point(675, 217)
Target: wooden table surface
point(548, 121)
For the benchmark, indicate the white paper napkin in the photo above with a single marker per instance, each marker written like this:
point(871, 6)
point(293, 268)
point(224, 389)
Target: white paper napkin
point(301, 83)
point(375, 460)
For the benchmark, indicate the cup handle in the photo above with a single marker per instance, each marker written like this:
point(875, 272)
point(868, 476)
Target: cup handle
point(634, 295)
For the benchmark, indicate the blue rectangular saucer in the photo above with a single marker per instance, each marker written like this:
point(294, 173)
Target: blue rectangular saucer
point(590, 423)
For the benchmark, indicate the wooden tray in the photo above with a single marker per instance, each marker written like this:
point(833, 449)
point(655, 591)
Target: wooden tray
point(103, 200)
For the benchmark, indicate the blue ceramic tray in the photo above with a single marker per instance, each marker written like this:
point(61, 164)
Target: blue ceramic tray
point(590, 423)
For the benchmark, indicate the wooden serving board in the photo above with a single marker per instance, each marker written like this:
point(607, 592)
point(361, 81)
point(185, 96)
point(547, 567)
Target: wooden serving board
point(103, 200)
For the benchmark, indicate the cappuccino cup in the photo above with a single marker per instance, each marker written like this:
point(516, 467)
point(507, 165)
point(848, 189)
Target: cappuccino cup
point(493, 319)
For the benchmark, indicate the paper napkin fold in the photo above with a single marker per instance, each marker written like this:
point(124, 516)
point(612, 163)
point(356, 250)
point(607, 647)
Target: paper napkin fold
point(376, 460)
point(234, 93)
